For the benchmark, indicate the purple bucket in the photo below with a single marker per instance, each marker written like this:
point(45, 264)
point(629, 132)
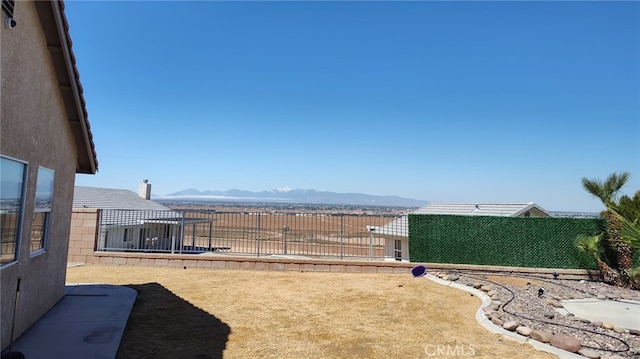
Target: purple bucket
point(418, 271)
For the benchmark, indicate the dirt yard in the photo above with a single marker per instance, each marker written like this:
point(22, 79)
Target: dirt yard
point(205, 313)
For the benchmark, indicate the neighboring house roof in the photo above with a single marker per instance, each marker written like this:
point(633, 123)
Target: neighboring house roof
point(480, 209)
point(56, 31)
point(125, 207)
point(109, 198)
point(400, 226)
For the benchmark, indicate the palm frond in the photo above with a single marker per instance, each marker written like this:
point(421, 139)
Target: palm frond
point(629, 207)
point(607, 190)
point(629, 231)
point(596, 188)
point(590, 245)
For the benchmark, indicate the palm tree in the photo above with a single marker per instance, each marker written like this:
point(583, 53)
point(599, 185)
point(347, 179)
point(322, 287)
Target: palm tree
point(607, 192)
point(630, 235)
point(593, 246)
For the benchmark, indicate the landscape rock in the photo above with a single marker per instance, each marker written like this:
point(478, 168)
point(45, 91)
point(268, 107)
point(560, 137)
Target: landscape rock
point(524, 300)
point(492, 292)
point(454, 277)
point(541, 336)
point(522, 330)
point(606, 325)
point(601, 296)
point(597, 323)
point(554, 303)
point(510, 326)
point(486, 288)
point(589, 353)
point(477, 285)
point(489, 314)
point(619, 330)
point(548, 314)
point(565, 342)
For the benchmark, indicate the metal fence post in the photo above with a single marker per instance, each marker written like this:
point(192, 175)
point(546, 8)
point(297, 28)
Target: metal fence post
point(210, 230)
point(182, 232)
point(285, 229)
point(258, 241)
point(341, 235)
point(371, 229)
point(193, 236)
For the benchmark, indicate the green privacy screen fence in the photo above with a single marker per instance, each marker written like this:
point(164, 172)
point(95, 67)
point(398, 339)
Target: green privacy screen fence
point(501, 241)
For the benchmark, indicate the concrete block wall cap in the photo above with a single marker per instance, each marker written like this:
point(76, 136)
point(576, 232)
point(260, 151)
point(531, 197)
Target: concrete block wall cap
point(487, 324)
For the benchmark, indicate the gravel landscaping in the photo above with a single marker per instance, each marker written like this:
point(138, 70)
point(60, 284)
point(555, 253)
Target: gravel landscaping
point(518, 305)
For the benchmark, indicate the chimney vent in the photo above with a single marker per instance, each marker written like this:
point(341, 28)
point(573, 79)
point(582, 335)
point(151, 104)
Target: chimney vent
point(144, 189)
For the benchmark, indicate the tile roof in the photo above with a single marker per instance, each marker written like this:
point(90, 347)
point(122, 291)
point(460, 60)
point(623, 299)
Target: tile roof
point(400, 226)
point(109, 198)
point(479, 209)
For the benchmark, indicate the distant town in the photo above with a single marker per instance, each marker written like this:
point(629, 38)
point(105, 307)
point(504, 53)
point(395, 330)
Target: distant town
point(252, 207)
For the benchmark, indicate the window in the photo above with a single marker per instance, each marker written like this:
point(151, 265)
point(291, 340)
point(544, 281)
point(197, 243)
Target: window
point(42, 210)
point(397, 250)
point(12, 188)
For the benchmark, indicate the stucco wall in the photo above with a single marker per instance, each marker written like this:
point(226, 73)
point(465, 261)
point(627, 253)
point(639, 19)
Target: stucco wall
point(35, 129)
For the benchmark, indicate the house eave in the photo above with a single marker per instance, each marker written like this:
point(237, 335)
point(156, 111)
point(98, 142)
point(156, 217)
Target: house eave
point(56, 30)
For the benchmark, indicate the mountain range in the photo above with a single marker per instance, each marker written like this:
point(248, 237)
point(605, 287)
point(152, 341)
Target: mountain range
point(289, 195)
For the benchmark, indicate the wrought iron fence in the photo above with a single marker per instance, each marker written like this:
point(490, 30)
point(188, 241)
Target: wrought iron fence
point(316, 235)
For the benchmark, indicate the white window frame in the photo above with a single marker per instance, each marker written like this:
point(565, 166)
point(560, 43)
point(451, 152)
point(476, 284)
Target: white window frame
point(42, 206)
point(20, 209)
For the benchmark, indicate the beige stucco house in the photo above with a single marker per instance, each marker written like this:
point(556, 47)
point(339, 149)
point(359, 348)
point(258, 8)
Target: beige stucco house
point(45, 140)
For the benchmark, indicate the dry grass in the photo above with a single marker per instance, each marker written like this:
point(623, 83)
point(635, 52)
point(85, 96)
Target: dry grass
point(200, 313)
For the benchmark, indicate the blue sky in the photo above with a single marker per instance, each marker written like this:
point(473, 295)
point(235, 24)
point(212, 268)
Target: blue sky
point(442, 101)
